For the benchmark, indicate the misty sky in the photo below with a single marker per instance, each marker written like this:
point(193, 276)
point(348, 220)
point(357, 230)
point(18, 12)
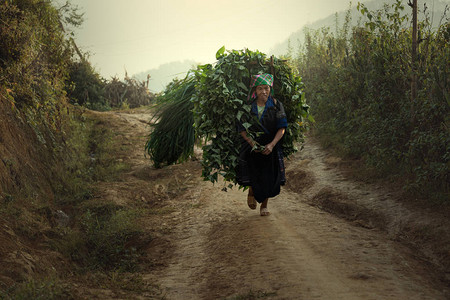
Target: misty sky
point(138, 35)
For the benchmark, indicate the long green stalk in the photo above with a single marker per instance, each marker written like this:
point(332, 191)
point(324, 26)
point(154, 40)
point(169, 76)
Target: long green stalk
point(173, 136)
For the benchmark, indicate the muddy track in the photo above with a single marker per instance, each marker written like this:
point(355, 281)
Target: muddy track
point(210, 245)
point(299, 252)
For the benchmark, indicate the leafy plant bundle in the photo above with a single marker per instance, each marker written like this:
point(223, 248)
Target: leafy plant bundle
point(173, 136)
point(221, 101)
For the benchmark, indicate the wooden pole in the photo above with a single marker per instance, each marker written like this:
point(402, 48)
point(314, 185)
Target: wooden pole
point(414, 58)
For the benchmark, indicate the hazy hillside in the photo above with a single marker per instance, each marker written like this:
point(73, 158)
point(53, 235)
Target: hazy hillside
point(161, 76)
point(436, 9)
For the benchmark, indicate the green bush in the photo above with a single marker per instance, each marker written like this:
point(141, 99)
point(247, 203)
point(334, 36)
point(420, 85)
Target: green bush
point(34, 56)
point(358, 85)
point(129, 93)
point(86, 87)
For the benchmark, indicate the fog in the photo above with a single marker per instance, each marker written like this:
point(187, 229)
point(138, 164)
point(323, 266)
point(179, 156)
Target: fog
point(137, 35)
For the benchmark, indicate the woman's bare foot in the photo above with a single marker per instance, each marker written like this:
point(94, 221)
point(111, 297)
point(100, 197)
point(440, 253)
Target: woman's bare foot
point(251, 201)
point(263, 211)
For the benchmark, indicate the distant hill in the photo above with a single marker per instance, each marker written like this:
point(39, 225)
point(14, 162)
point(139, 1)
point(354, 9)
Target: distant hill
point(165, 73)
point(436, 9)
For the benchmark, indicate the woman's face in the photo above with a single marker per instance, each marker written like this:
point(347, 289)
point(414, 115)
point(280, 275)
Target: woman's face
point(263, 92)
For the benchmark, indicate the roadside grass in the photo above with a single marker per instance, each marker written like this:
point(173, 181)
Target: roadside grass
point(39, 289)
point(99, 237)
point(104, 241)
point(89, 156)
point(165, 210)
point(124, 282)
point(27, 214)
point(252, 295)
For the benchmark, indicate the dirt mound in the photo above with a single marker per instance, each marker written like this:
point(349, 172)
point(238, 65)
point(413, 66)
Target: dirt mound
point(299, 179)
point(344, 206)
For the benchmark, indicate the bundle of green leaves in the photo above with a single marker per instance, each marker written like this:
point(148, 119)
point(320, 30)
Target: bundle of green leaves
point(221, 100)
point(172, 139)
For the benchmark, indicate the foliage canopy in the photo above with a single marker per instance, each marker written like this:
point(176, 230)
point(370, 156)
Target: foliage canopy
point(214, 107)
point(222, 100)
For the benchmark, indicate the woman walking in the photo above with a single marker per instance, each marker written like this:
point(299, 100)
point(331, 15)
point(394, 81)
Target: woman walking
point(261, 165)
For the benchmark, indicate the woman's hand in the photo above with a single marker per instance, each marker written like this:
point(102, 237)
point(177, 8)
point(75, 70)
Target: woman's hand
point(268, 149)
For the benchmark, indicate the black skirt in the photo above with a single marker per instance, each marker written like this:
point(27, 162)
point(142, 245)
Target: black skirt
point(264, 173)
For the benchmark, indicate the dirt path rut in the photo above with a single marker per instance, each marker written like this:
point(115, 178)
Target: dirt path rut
point(299, 252)
point(217, 248)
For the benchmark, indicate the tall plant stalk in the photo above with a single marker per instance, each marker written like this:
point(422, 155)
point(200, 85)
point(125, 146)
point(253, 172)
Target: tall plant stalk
point(173, 136)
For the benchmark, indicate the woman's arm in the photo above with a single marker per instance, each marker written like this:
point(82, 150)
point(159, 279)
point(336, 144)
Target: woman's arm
point(247, 138)
point(269, 147)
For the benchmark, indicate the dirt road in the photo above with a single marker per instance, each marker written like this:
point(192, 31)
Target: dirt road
point(209, 245)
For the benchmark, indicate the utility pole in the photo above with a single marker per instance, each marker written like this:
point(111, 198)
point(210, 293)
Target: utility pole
point(413, 4)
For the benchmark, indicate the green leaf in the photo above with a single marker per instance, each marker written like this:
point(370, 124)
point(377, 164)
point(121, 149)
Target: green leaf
point(239, 115)
point(220, 52)
point(242, 86)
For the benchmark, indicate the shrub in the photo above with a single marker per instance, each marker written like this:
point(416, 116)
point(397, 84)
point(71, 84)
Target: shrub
point(358, 86)
point(86, 87)
point(129, 92)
